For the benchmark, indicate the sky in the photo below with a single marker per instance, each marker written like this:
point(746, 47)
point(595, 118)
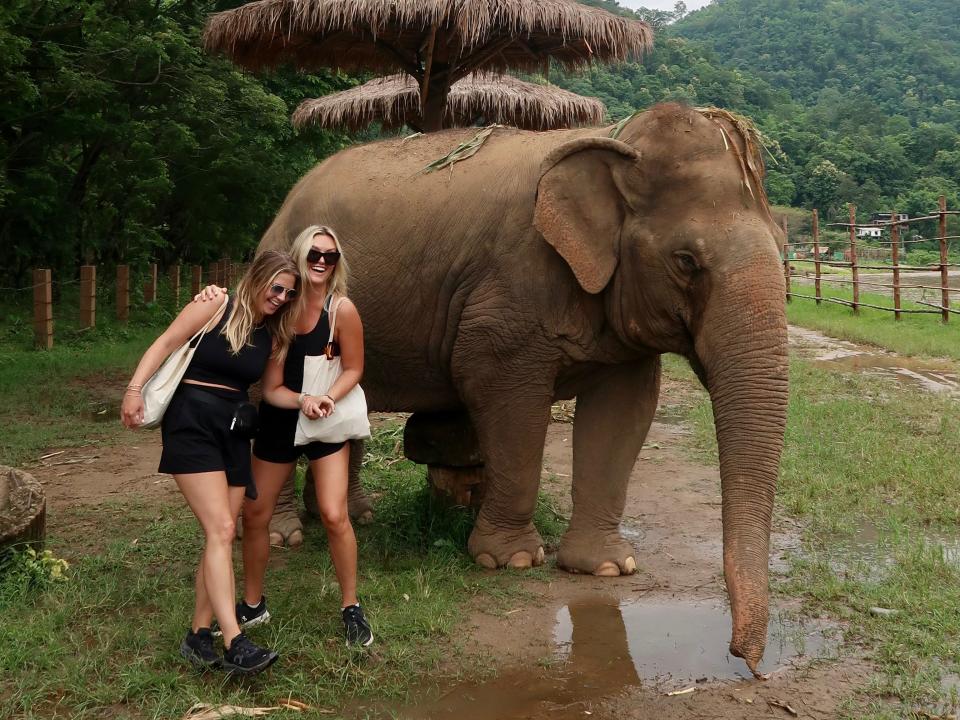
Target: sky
point(662, 4)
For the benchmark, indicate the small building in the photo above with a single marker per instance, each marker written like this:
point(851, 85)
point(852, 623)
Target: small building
point(879, 218)
point(869, 232)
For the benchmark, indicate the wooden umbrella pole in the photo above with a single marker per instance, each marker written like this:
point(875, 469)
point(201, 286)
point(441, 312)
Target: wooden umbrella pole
point(428, 66)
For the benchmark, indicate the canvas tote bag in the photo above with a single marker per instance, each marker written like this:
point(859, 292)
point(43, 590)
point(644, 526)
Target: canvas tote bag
point(348, 421)
point(159, 389)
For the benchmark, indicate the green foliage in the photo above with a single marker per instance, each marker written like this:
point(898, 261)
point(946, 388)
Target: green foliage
point(122, 140)
point(24, 573)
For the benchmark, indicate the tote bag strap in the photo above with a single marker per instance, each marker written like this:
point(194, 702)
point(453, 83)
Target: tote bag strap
point(332, 314)
point(211, 323)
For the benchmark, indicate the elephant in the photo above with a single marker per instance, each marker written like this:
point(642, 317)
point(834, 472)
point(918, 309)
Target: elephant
point(559, 265)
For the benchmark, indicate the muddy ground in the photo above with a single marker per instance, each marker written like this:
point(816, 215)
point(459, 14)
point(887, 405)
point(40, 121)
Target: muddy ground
point(648, 645)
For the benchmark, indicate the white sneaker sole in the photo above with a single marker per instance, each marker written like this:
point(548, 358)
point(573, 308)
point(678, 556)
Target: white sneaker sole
point(259, 620)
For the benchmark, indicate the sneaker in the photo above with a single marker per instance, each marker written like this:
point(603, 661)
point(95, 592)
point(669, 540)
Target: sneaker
point(197, 647)
point(356, 626)
point(243, 657)
point(248, 616)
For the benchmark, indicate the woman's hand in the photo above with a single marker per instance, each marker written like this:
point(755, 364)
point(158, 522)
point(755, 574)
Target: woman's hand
point(131, 409)
point(326, 404)
point(210, 292)
point(317, 407)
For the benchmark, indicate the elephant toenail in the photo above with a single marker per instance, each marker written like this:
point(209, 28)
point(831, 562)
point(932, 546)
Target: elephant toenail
point(607, 569)
point(538, 558)
point(295, 539)
point(365, 518)
point(629, 566)
point(487, 561)
point(276, 539)
point(520, 560)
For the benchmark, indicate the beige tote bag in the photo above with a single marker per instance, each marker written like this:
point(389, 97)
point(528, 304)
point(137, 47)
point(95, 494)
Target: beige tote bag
point(159, 389)
point(348, 421)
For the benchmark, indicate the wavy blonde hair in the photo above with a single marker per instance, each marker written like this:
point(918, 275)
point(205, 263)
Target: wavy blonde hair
point(261, 274)
point(337, 284)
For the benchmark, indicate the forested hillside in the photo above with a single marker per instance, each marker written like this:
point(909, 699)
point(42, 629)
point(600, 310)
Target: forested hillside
point(120, 139)
point(861, 96)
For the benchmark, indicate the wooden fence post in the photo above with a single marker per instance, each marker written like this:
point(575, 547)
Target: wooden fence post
point(816, 255)
point(944, 274)
point(174, 273)
point(226, 272)
point(196, 279)
point(88, 296)
point(150, 285)
point(895, 257)
point(853, 258)
point(123, 293)
point(786, 256)
point(43, 308)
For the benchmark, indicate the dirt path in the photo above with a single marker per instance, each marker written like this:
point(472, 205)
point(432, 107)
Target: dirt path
point(587, 647)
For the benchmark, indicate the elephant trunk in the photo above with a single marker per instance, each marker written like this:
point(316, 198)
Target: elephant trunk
point(742, 347)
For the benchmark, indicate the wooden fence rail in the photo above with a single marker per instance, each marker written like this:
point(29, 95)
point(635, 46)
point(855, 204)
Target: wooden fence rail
point(222, 272)
point(897, 270)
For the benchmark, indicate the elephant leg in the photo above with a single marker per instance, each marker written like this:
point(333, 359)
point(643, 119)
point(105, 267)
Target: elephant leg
point(612, 419)
point(359, 506)
point(511, 424)
point(285, 525)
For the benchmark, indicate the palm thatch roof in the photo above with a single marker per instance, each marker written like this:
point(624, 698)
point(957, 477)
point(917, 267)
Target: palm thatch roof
point(395, 101)
point(460, 36)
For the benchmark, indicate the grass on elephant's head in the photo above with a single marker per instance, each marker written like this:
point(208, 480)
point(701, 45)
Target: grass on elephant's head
point(104, 642)
point(869, 468)
point(913, 334)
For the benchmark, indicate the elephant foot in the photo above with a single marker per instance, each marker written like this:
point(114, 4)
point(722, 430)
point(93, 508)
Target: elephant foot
point(601, 554)
point(286, 530)
point(360, 509)
point(494, 548)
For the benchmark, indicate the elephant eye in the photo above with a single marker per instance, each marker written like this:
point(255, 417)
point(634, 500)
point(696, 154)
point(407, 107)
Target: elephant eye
point(686, 261)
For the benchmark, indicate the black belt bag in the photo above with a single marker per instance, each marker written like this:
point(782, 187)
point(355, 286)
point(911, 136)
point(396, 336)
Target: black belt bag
point(245, 422)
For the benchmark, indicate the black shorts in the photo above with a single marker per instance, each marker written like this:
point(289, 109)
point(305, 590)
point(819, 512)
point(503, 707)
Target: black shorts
point(278, 428)
point(197, 438)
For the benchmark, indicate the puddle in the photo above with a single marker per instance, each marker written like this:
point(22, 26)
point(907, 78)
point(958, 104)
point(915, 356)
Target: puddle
point(934, 376)
point(603, 646)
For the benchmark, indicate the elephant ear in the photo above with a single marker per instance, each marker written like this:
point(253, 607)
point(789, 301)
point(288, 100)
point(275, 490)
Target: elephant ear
point(580, 205)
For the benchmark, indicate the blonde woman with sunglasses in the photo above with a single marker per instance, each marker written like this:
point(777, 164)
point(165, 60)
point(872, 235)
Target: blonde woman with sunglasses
point(208, 460)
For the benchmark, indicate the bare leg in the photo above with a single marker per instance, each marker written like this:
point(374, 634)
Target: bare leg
point(270, 478)
point(216, 505)
point(331, 486)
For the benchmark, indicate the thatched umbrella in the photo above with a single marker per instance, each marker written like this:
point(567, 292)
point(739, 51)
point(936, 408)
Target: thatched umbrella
point(395, 101)
point(437, 42)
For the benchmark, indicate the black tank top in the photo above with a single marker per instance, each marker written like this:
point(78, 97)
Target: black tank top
point(214, 361)
point(313, 343)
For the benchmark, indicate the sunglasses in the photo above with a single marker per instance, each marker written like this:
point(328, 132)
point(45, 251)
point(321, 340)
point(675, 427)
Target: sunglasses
point(284, 292)
point(330, 257)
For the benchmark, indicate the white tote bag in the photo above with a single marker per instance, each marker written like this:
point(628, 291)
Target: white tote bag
point(159, 389)
point(348, 421)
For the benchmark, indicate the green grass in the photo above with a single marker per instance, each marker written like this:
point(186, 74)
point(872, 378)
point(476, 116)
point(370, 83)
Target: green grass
point(104, 643)
point(923, 335)
point(869, 468)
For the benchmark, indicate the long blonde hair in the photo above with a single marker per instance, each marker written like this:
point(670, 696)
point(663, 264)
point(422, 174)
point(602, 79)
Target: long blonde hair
point(261, 274)
point(337, 284)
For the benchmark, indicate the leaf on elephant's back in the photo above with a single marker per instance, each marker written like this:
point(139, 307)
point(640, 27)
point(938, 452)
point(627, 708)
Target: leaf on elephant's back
point(464, 150)
point(618, 128)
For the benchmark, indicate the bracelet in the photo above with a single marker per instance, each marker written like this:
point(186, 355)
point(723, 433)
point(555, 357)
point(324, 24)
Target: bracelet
point(331, 398)
point(135, 386)
point(132, 391)
point(300, 398)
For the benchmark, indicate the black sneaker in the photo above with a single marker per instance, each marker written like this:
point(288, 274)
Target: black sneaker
point(197, 647)
point(357, 628)
point(243, 657)
point(248, 616)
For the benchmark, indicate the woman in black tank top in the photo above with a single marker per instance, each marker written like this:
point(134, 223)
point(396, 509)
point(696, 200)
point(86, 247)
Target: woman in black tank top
point(210, 464)
point(324, 269)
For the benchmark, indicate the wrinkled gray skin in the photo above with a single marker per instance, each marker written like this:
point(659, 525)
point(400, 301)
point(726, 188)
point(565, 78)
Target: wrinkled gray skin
point(563, 264)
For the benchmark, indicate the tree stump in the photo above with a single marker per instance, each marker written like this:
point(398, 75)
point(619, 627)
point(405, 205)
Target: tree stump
point(23, 509)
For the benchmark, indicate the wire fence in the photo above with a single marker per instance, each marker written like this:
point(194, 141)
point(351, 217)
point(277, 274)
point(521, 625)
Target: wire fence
point(814, 253)
point(147, 287)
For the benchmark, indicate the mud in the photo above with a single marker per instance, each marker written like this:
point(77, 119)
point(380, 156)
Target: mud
point(935, 376)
